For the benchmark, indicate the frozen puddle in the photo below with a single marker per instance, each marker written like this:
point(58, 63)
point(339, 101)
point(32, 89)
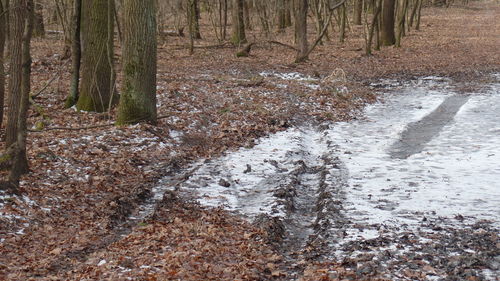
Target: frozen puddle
point(423, 154)
point(418, 177)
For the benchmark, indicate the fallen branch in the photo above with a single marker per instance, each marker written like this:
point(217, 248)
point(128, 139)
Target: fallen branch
point(86, 127)
point(245, 52)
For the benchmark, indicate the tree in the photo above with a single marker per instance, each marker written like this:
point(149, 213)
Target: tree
point(238, 24)
point(357, 12)
point(76, 55)
point(20, 162)
point(193, 16)
point(21, 29)
point(3, 34)
point(301, 30)
point(97, 83)
point(400, 20)
point(387, 36)
point(138, 97)
point(16, 29)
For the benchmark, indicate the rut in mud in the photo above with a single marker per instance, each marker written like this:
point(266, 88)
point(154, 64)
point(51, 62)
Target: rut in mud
point(409, 190)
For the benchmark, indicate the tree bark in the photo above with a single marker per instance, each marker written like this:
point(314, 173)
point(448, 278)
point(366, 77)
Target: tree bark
point(238, 24)
point(96, 92)
point(3, 30)
point(358, 9)
point(17, 25)
point(301, 30)
point(281, 14)
point(76, 55)
point(193, 12)
point(387, 36)
point(20, 163)
point(138, 99)
point(401, 17)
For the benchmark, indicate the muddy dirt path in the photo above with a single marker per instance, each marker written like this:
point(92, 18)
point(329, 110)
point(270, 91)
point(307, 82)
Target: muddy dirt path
point(409, 191)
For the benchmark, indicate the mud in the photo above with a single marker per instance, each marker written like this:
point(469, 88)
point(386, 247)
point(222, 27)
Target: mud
point(407, 192)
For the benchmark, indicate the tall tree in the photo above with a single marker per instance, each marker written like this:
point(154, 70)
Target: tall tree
point(387, 36)
point(3, 30)
point(97, 83)
point(76, 55)
point(138, 97)
point(357, 11)
point(238, 23)
point(193, 16)
point(17, 15)
point(20, 162)
point(301, 29)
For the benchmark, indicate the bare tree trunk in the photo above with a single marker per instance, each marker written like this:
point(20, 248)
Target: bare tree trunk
point(343, 18)
point(281, 14)
point(419, 13)
point(401, 16)
point(387, 35)
point(301, 30)
point(223, 16)
point(373, 26)
point(3, 31)
point(17, 25)
point(358, 9)
point(190, 15)
point(193, 13)
point(76, 55)
point(96, 91)
point(138, 100)
point(20, 163)
point(246, 15)
point(239, 36)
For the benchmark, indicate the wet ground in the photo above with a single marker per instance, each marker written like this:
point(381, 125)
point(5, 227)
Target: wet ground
point(411, 191)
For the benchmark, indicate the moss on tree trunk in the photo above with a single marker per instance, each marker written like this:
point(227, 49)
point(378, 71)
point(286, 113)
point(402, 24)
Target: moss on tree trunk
point(96, 93)
point(138, 97)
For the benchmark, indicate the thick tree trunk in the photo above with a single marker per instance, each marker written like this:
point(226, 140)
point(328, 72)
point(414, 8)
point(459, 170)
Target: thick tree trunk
point(20, 163)
point(301, 30)
point(138, 99)
point(358, 9)
point(96, 92)
point(377, 6)
point(401, 17)
point(281, 14)
point(17, 25)
point(246, 15)
point(343, 19)
point(193, 12)
point(387, 36)
point(3, 31)
point(419, 13)
point(76, 55)
point(238, 24)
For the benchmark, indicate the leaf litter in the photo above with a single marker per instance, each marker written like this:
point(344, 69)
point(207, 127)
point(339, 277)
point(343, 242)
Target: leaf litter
point(72, 220)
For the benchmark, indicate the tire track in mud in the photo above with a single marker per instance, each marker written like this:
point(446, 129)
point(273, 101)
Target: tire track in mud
point(292, 190)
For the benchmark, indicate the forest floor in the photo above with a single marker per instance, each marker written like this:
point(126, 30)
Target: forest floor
point(78, 215)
